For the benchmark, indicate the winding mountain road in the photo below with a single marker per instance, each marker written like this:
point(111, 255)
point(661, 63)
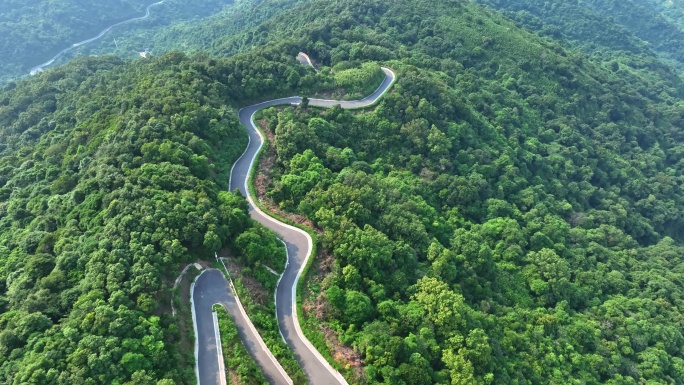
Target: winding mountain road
point(40, 67)
point(212, 288)
point(298, 242)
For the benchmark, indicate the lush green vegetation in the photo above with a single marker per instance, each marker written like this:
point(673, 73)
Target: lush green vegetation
point(496, 219)
point(113, 176)
point(28, 40)
point(180, 297)
point(240, 366)
point(104, 192)
point(671, 10)
point(257, 250)
point(32, 32)
point(260, 307)
point(510, 213)
point(357, 82)
point(606, 27)
point(205, 35)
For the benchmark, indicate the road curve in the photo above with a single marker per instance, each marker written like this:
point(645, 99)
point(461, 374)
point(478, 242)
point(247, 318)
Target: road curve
point(298, 242)
point(40, 67)
point(211, 287)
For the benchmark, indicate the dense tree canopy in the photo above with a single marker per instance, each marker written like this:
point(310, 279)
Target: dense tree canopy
point(510, 213)
point(33, 31)
point(496, 219)
point(114, 174)
point(641, 27)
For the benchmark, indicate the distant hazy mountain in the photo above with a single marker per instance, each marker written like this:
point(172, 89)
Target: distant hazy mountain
point(606, 26)
point(33, 31)
point(511, 212)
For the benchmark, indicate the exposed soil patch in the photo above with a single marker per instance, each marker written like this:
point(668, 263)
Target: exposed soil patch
point(315, 303)
point(264, 180)
point(257, 292)
point(234, 378)
point(204, 264)
point(266, 162)
point(317, 306)
point(336, 94)
point(345, 355)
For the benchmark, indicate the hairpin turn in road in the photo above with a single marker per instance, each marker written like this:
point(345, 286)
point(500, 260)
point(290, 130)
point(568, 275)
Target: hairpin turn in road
point(298, 242)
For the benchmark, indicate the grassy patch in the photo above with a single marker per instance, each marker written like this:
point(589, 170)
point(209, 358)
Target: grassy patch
point(240, 366)
point(263, 318)
point(185, 329)
point(358, 82)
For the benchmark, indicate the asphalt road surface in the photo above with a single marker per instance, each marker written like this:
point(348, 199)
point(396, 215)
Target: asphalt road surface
point(211, 287)
point(298, 243)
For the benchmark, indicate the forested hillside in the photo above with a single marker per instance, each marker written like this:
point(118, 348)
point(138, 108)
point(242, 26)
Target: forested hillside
point(31, 32)
point(194, 35)
point(671, 10)
point(112, 175)
point(511, 213)
point(607, 27)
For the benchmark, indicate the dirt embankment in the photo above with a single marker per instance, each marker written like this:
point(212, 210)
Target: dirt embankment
point(263, 180)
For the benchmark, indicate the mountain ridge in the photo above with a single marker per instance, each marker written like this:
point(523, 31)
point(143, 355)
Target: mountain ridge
point(509, 213)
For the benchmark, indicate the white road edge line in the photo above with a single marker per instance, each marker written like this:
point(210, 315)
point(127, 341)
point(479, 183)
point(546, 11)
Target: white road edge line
point(177, 282)
point(295, 317)
point(387, 72)
point(275, 294)
point(260, 340)
point(219, 347)
point(194, 325)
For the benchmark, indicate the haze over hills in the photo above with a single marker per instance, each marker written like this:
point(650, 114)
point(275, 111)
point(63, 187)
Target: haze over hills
point(34, 31)
point(510, 213)
point(205, 35)
point(606, 26)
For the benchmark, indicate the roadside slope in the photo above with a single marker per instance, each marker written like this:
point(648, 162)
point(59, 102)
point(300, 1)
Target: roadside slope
point(212, 288)
point(298, 242)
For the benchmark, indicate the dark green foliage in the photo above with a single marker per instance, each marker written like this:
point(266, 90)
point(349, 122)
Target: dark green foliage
point(606, 27)
point(193, 27)
point(113, 175)
point(237, 359)
point(261, 312)
point(358, 82)
point(258, 246)
point(33, 31)
point(510, 213)
point(496, 218)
